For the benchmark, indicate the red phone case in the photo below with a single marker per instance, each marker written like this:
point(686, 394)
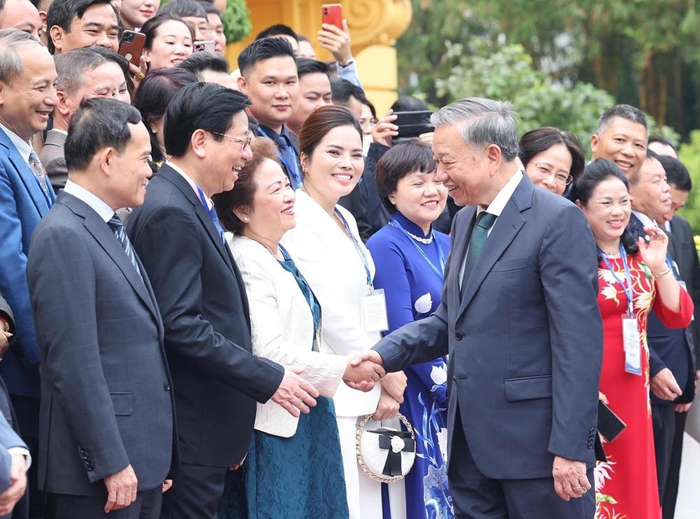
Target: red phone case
point(332, 14)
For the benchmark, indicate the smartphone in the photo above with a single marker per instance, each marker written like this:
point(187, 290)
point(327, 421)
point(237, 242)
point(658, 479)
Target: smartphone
point(131, 46)
point(332, 14)
point(204, 46)
point(413, 124)
point(610, 425)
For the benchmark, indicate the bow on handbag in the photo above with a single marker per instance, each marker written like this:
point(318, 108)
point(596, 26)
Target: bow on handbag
point(395, 442)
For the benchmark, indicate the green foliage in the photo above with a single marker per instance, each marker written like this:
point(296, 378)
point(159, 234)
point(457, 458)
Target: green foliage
point(689, 154)
point(236, 20)
point(505, 72)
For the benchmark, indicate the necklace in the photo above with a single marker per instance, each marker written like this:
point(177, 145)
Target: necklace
point(424, 241)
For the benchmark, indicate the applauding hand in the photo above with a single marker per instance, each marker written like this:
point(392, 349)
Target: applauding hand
point(294, 393)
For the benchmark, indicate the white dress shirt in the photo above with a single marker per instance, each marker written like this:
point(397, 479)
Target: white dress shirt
point(192, 184)
point(97, 204)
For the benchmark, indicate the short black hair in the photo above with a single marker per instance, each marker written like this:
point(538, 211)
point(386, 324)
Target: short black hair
point(183, 8)
point(311, 66)
point(198, 62)
point(399, 161)
point(409, 104)
point(631, 113)
point(206, 106)
point(662, 140)
point(277, 30)
point(97, 124)
point(61, 13)
point(343, 90)
point(677, 174)
point(152, 98)
point(261, 50)
point(210, 9)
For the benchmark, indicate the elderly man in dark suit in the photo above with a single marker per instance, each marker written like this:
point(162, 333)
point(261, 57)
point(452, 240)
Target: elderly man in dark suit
point(202, 297)
point(107, 432)
point(520, 321)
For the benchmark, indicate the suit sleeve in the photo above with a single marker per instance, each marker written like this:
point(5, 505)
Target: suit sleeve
point(170, 246)
point(568, 270)
point(13, 272)
point(323, 370)
point(70, 346)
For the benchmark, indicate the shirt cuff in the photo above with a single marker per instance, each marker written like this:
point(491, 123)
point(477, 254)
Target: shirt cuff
point(24, 452)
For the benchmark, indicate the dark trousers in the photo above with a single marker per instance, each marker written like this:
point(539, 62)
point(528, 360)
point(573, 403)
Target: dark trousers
point(664, 420)
point(477, 497)
point(27, 412)
point(62, 506)
point(195, 493)
point(668, 502)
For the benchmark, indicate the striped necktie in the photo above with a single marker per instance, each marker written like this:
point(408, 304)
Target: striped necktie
point(118, 229)
point(38, 170)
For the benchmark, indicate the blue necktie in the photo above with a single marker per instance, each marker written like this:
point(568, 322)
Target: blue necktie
point(480, 233)
point(212, 214)
point(289, 158)
point(118, 229)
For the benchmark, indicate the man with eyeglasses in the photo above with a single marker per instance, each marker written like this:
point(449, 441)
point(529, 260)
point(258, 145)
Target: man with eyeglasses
point(202, 298)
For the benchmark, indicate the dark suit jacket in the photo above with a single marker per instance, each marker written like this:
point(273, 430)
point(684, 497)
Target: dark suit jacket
point(106, 399)
point(22, 204)
point(689, 267)
point(668, 348)
point(525, 342)
point(53, 158)
point(202, 298)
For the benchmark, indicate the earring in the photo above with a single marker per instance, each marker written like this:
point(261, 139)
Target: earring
point(245, 219)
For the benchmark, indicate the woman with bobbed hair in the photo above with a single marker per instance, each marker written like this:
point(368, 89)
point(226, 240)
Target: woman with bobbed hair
point(152, 98)
point(410, 258)
point(327, 248)
point(294, 466)
point(634, 279)
point(552, 158)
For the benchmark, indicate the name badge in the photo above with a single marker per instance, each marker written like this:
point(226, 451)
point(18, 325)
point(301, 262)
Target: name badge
point(373, 309)
point(633, 350)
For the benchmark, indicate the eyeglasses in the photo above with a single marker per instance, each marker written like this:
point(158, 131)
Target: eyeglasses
point(545, 170)
point(245, 141)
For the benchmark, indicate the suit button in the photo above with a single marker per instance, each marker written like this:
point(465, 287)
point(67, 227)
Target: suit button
point(166, 386)
point(459, 336)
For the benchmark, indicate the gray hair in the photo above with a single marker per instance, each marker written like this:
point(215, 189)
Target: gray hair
point(72, 66)
point(484, 122)
point(10, 62)
point(628, 112)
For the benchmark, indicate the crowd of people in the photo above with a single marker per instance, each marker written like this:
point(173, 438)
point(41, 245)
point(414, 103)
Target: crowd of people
point(210, 280)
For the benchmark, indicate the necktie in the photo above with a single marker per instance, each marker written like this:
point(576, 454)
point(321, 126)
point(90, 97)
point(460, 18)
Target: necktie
point(480, 233)
point(289, 158)
point(118, 229)
point(212, 214)
point(38, 170)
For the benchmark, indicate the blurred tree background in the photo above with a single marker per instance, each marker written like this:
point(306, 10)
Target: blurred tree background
point(562, 63)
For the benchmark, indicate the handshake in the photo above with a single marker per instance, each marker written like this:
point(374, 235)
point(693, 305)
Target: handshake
point(363, 370)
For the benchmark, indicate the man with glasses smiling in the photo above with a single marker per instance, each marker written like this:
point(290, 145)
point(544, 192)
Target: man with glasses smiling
point(202, 298)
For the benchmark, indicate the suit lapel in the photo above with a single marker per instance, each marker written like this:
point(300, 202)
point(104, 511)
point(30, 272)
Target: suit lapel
point(28, 179)
point(173, 176)
point(503, 233)
point(101, 232)
point(459, 253)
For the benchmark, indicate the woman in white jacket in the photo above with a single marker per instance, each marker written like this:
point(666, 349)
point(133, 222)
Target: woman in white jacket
point(327, 248)
point(294, 466)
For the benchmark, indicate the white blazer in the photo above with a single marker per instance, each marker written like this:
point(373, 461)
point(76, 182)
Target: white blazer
point(327, 257)
point(282, 330)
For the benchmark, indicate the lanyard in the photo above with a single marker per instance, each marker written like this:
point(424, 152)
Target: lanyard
point(441, 255)
point(359, 250)
point(627, 288)
point(293, 169)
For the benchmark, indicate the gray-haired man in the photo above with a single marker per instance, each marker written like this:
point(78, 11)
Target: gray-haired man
point(521, 324)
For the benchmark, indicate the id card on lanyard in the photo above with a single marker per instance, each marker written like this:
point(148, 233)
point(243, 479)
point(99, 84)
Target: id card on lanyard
point(630, 328)
point(373, 305)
